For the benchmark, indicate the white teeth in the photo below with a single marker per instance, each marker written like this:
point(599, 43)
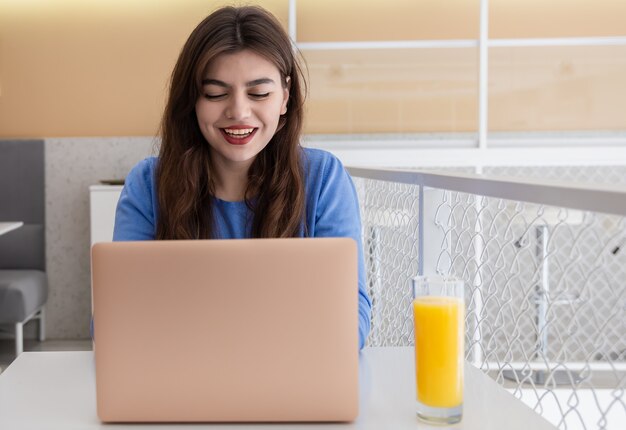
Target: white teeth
point(239, 132)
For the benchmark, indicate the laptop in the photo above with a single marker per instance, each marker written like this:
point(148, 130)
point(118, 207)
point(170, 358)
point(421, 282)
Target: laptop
point(250, 330)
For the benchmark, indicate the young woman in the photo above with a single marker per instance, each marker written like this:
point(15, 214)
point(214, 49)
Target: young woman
point(230, 164)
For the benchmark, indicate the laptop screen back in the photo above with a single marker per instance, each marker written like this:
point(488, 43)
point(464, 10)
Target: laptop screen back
point(226, 330)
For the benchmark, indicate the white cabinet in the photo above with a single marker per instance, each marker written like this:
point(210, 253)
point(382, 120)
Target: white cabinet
point(102, 203)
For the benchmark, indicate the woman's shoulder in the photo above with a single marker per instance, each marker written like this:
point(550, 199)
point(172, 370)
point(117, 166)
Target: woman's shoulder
point(142, 171)
point(323, 169)
point(147, 164)
point(319, 159)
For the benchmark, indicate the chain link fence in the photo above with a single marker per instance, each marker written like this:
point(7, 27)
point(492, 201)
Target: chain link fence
point(545, 288)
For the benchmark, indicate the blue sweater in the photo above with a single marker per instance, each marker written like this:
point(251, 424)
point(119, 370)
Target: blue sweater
point(331, 205)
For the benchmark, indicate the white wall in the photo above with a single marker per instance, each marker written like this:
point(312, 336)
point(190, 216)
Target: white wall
point(72, 165)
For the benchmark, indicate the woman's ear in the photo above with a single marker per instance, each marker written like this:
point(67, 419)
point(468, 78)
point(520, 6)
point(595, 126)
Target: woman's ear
point(283, 108)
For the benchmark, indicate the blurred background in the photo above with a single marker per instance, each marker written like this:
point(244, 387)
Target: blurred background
point(397, 83)
point(100, 68)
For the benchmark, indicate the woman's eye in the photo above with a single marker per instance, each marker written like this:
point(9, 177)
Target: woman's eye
point(214, 96)
point(259, 96)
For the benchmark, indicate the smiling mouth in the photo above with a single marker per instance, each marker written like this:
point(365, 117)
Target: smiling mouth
point(238, 136)
point(240, 133)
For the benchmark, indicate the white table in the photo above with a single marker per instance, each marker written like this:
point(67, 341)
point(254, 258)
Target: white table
point(6, 227)
point(56, 390)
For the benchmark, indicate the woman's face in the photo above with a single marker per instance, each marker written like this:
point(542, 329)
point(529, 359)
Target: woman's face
point(240, 105)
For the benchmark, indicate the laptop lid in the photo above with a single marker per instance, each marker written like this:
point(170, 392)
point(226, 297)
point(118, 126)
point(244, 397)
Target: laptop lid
point(226, 330)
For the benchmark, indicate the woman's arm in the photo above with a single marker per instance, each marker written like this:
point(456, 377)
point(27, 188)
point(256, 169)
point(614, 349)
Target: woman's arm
point(135, 217)
point(337, 215)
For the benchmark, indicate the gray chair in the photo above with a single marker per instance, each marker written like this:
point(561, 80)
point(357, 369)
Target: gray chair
point(23, 279)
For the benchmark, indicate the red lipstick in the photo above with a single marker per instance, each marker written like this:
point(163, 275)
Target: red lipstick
point(238, 134)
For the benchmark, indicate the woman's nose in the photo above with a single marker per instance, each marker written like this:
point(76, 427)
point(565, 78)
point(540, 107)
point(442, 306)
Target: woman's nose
point(238, 107)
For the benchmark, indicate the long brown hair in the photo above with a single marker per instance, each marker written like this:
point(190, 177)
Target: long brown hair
point(275, 190)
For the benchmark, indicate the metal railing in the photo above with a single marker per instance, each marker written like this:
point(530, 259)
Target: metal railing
point(544, 265)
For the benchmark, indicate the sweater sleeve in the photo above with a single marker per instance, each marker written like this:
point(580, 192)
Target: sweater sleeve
point(338, 215)
point(135, 217)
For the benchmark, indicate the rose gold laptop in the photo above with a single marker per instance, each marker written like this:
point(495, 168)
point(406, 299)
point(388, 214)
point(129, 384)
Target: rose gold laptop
point(226, 330)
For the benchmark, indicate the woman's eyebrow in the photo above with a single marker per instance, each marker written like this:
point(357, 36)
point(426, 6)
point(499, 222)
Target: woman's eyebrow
point(259, 82)
point(215, 82)
point(223, 84)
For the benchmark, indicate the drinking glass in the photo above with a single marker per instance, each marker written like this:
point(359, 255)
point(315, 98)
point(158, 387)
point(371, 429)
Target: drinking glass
point(439, 323)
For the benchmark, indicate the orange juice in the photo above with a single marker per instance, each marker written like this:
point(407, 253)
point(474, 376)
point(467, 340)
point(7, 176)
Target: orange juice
point(439, 349)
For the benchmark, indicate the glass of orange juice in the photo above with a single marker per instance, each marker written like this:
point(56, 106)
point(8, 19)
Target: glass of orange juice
point(439, 323)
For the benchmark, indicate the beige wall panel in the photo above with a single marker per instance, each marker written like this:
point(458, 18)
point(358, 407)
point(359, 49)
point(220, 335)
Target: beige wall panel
point(359, 20)
point(441, 114)
point(557, 88)
point(556, 18)
point(386, 91)
point(100, 68)
point(366, 116)
point(97, 68)
point(328, 116)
